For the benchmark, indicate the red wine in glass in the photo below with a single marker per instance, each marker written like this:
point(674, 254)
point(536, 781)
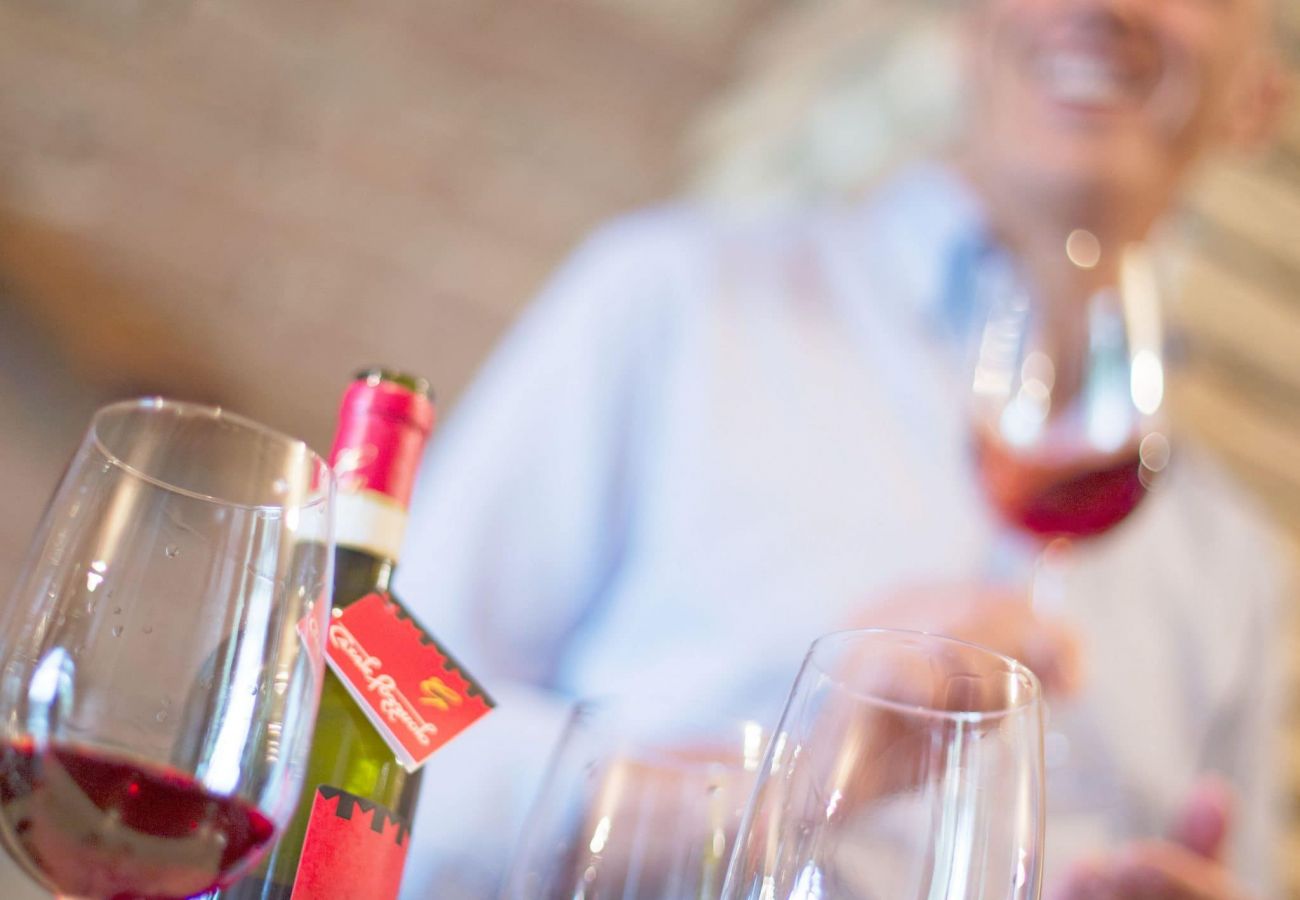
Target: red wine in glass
point(1055, 498)
point(107, 826)
point(157, 694)
point(99, 825)
point(1068, 395)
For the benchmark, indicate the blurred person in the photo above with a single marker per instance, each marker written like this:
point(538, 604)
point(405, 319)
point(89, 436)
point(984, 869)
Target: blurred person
point(709, 442)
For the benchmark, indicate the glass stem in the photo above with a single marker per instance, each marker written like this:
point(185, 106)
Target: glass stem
point(1047, 588)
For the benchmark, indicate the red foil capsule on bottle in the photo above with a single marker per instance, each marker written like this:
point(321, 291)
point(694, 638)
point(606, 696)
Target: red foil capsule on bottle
point(382, 428)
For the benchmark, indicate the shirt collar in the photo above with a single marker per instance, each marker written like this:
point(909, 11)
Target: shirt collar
point(925, 232)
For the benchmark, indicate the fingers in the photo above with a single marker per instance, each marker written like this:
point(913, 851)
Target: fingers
point(1160, 870)
point(1052, 651)
point(1048, 646)
point(998, 618)
point(1088, 879)
point(1206, 817)
point(1186, 867)
point(1155, 870)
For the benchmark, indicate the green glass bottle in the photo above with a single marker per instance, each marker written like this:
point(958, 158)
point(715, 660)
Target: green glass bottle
point(385, 420)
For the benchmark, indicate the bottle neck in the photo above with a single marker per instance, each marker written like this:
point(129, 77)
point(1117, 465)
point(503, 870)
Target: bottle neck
point(367, 539)
point(357, 574)
point(370, 522)
point(384, 422)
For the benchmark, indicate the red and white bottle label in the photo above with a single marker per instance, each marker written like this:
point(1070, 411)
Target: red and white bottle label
point(354, 849)
point(409, 687)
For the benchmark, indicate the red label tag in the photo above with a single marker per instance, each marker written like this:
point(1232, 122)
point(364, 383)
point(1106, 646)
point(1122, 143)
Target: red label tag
point(354, 849)
point(409, 687)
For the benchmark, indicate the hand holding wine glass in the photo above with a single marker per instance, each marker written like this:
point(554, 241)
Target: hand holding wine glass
point(1188, 864)
point(160, 657)
point(991, 615)
point(1069, 439)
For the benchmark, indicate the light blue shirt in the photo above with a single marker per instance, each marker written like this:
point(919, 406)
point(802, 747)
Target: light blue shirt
point(709, 442)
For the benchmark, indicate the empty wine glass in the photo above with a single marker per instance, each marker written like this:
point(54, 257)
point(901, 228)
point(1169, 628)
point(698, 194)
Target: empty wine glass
point(904, 766)
point(635, 807)
point(160, 654)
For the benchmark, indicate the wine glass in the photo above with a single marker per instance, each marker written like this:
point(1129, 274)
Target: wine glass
point(1068, 402)
point(160, 655)
point(1069, 438)
point(637, 807)
point(905, 765)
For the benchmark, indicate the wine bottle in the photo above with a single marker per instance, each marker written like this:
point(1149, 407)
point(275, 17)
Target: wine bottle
point(385, 419)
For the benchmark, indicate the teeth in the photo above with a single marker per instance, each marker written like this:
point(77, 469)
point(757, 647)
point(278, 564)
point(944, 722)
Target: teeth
point(1080, 78)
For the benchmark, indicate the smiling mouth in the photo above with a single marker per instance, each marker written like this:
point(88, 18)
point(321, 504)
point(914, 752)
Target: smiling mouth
point(1090, 80)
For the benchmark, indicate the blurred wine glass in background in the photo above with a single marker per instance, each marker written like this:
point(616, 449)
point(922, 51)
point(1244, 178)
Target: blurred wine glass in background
point(1068, 399)
point(638, 807)
point(1069, 437)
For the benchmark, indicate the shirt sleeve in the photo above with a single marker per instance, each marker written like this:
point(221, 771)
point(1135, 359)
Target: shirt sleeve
point(517, 528)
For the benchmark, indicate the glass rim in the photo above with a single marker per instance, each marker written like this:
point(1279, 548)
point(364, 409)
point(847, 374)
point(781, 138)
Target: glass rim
point(606, 714)
point(1011, 666)
point(212, 413)
point(611, 708)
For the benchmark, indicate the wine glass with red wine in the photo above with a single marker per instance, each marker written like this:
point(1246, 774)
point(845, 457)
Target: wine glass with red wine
point(160, 656)
point(1069, 439)
point(1068, 397)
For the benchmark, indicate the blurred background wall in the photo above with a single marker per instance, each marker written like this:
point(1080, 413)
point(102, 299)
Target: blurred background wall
point(242, 202)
